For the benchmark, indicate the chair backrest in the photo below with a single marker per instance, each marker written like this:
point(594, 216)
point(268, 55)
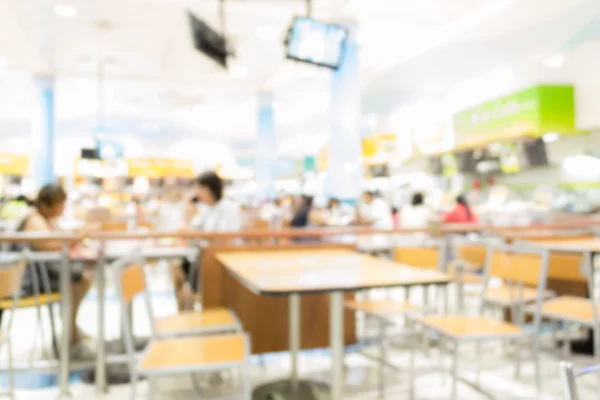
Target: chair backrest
point(521, 264)
point(12, 268)
point(429, 254)
point(472, 253)
point(130, 281)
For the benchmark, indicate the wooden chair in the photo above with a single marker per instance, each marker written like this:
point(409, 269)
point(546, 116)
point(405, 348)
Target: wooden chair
point(471, 256)
point(12, 268)
point(527, 265)
point(176, 356)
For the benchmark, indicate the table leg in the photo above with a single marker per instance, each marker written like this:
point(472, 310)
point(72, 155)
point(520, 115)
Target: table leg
point(336, 341)
point(65, 343)
point(294, 338)
point(101, 384)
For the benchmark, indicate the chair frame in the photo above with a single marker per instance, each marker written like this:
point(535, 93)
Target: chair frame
point(121, 265)
point(568, 378)
point(384, 320)
point(533, 336)
point(16, 260)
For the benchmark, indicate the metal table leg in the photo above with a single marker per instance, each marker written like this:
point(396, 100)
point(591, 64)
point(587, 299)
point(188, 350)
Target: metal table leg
point(65, 296)
point(294, 338)
point(336, 341)
point(101, 384)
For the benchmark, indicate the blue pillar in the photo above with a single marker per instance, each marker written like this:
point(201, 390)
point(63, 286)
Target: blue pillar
point(43, 133)
point(344, 180)
point(266, 149)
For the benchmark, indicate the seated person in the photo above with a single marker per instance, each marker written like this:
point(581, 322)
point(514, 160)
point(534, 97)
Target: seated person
point(42, 218)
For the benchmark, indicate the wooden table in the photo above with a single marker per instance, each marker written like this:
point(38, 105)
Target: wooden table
point(333, 271)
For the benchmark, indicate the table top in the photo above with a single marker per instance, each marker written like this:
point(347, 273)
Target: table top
point(304, 271)
point(582, 245)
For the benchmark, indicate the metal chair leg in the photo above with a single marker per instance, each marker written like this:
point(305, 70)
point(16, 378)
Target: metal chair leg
point(53, 331)
point(11, 369)
point(536, 359)
point(381, 357)
point(454, 370)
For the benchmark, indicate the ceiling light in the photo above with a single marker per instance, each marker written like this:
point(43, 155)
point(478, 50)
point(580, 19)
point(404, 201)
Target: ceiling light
point(555, 61)
point(3, 62)
point(550, 137)
point(238, 72)
point(266, 33)
point(65, 10)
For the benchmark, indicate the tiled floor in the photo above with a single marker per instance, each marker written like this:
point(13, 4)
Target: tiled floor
point(361, 377)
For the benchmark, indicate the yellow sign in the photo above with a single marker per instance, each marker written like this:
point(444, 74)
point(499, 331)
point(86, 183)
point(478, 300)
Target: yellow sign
point(160, 167)
point(322, 159)
point(14, 164)
point(379, 149)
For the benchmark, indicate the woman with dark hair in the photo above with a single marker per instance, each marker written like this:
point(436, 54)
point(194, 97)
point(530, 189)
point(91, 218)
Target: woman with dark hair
point(49, 206)
point(461, 213)
point(218, 215)
point(302, 216)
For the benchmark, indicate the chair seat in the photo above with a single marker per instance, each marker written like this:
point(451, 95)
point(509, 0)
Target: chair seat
point(505, 295)
point(206, 321)
point(194, 354)
point(31, 301)
point(383, 307)
point(569, 308)
point(470, 327)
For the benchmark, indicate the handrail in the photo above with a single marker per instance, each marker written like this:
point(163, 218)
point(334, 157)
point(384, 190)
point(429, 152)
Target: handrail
point(295, 232)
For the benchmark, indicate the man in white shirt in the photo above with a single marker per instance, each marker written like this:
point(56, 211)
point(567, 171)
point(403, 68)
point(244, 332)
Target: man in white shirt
point(375, 212)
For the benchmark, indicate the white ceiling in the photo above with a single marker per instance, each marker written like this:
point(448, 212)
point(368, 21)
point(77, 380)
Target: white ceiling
point(156, 82)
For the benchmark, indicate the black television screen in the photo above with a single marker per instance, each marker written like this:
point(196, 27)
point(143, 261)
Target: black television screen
point(208, 41)
point(435, 166)
point(535, 154)
point(316, 42)
point(90, 154)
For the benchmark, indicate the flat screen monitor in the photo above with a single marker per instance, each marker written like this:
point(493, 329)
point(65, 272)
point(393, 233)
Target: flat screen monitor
point(535, 154)
point(316, 42)
point(89, 154)
point(207, 41)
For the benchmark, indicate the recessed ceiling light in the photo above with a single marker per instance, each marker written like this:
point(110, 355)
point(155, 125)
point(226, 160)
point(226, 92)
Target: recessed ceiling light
point(555, 61)
point(238, 72)
point(65, 10)
point(3, 62)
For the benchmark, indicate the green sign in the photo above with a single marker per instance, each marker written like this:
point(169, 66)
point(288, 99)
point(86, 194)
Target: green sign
point(534, 111)
point(449, 165)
